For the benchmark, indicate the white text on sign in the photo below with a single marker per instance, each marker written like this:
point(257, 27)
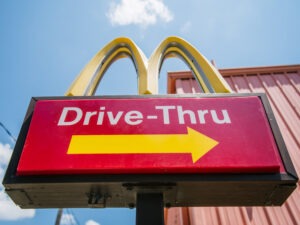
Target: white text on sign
point(135, 117)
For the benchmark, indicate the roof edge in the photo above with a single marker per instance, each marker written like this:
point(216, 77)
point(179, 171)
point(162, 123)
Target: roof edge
point(260, 70)
point(173, 76)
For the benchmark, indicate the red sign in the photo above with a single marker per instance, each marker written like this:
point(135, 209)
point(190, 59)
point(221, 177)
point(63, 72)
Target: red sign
point(149, 135)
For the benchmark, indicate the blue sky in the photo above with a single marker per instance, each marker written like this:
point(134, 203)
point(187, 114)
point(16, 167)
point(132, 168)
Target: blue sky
point(45, 44)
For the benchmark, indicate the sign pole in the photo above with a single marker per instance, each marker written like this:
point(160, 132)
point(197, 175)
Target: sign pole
point(150, 209)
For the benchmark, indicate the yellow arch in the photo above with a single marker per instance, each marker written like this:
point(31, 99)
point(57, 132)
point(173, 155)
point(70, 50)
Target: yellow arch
point(88, 79)
point(148, 71)
point(208, 77)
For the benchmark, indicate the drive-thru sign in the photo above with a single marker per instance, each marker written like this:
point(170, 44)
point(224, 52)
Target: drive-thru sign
point(194, 150)
point(149, 135)
point(149, 150)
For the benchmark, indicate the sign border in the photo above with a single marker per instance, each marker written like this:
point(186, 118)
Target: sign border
point(278, 185)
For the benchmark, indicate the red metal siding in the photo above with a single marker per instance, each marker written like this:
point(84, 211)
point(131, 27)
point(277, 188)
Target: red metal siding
point(282, 86)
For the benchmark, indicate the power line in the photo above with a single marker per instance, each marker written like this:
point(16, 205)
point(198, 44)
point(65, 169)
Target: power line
point(8, 132)
point(71, 220)
point(74, 216)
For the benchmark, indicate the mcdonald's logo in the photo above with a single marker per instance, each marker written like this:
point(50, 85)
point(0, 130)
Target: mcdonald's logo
point(208, 77)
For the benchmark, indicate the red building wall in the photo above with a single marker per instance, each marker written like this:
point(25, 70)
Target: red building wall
point(282, 86)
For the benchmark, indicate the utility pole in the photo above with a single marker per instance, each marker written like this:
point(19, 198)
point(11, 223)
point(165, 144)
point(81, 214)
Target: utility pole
point(58, 216)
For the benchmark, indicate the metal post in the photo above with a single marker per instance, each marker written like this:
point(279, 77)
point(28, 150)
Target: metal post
point(150, 209)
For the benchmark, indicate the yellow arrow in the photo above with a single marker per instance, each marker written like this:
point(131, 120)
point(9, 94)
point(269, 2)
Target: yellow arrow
point(193, 142)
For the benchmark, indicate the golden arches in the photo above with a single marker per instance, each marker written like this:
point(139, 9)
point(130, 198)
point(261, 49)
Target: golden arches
point(148, 71)
point(208, 77)
point(86, 82)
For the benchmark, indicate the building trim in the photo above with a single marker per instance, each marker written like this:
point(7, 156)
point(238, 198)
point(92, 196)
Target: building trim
point(248, 71)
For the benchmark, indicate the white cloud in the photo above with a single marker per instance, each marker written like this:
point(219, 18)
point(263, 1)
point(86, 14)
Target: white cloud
point(138, 12)
point(1, 173)
point(91, 222)
point(5, 153)
point(186, 27)
point(8, 209)
point(67, 219)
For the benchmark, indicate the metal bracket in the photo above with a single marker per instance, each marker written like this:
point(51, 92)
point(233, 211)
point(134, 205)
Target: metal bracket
point(168, 190)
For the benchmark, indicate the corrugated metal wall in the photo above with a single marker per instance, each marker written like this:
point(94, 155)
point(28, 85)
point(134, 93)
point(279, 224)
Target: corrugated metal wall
point(282, 86)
